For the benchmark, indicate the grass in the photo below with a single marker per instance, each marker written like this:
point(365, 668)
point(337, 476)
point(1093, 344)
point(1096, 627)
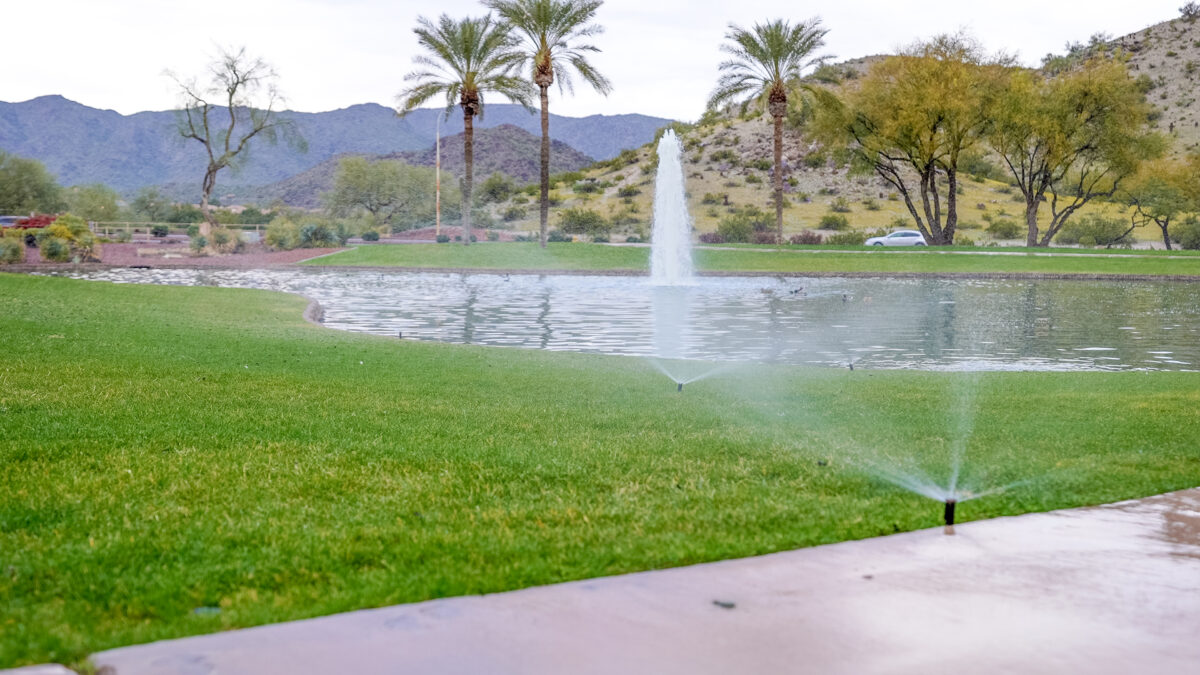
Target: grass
point(167, 449)
point(788, 259)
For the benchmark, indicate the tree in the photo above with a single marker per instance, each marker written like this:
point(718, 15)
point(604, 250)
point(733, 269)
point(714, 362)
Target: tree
point(1164, 190)
point(236, 104)
point(916, 116)
point(766, 64)
point(1190, 11)
point(151, 205)
point(391, 193)
point(1074, 137)
point(466, 59)
point(552, 29)
point(26, 186)
point(95, 203)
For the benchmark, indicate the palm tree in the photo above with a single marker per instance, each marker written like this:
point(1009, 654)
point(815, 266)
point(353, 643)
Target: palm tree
point(766, 62)
point(552, 29)
point(466, 59)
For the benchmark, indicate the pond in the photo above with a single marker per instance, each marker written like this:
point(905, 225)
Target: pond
point(928, 324)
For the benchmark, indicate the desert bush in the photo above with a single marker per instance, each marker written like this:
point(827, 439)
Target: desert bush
point(559, 236)
point(1187, 234)
point(1095, 231)
point(762, 164)
point(633, 239)
point(870, 204)
point(846, 239)
point(496, 188)
point(740, 225)
point(600, 239)
point(370, 235)
point(566, 178)
point(198, 244)
point(159, 231)
point(493, 235)
point(586, 187)
point(443, 239)
point(710, 238)
point(1004, 228)
point(765, 238)
point(583, 221)
point(840, 205)
point(67, 238)
point(962, 240)
point(285, 234)
point(225, 240)
point(753, 180)
point(513, 213)
point(807, 238)
point(815, 160)
point(834, 221)
point(629, 191)
point(12, 250)
point(712, 199)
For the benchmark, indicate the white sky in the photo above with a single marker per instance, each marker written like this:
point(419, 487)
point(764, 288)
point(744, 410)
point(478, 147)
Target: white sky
point(661, 55)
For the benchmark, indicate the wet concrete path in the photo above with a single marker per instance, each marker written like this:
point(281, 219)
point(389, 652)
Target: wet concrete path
point(1109, 589)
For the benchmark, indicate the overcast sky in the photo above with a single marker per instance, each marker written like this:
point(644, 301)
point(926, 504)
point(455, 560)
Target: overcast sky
point(661, 55)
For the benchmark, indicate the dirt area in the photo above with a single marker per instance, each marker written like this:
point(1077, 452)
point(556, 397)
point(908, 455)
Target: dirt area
point(174, 255)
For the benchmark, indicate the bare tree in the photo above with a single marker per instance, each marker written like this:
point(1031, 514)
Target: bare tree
point(236, 102)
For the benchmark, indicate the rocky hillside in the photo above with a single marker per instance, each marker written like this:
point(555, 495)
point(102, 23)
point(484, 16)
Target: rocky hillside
point(506, 148)
point(1169, 55)
point(85, 145)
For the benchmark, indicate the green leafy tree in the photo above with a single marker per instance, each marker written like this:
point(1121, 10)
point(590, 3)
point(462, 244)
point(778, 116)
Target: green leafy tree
point(552, 31)
point(237, 104)
point(765, 66)
point(96, 203)
point(466, 59)
point(390, 193)
point(917, 116)
point(150, 205)
point(1070, 139)
point(1164, 191)
point(26, 186)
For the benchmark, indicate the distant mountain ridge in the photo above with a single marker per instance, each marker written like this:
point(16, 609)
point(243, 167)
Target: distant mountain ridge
point(506, 148)
point(80, 144)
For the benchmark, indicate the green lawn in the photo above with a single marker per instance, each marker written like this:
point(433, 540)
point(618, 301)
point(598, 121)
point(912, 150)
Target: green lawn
point(167, 449)
point(799, 260)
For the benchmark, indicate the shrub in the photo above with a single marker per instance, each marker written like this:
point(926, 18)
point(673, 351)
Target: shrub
point(1095, 231)
point(567, 177)
point(370, 235)
point(629, 191)
point(753, 180)
point(66, 239)
point(961, 240)
point(834, 221)
point(710, 238)
point(840, 205)
point(1004, 228)
point(583, 221)
point(285, 234)
point(807, 238)
point(493, 235)
point(870, 204)
point(586, 187)
point(740, 226)
point(727, 156)
point(633, 239)
point(198, 244)
point(765, 238)
point(711, 199)
point(559, 236)
point(600, 239)
point(160, 231)
point(846, 239)
point(762, 164)
point(495, 188)
point(1187, 234)
point(11, 250)
point(443, 239)
point(513, 213)
point(814, 160)
point(227, 241)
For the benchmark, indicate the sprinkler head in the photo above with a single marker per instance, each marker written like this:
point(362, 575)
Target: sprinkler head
point(680, 387)
point(948, 513)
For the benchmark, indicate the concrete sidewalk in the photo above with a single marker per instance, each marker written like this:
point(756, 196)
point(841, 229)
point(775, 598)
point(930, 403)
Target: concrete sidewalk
point(1110, 589)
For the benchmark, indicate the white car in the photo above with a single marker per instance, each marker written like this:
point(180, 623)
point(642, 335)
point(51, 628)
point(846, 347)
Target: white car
point(898, 238)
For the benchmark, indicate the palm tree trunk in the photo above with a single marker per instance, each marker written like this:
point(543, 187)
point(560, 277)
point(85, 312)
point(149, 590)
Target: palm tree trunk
point(469, 177)
point(779, 176)
point(544, 215)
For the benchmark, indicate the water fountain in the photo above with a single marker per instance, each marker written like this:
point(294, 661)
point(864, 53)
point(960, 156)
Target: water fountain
point(671, 247)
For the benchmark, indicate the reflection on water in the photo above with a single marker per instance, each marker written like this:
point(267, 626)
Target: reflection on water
point(930, 324)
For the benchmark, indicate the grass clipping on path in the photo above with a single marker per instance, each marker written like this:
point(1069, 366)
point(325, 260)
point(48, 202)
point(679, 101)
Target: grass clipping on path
point(187, 460)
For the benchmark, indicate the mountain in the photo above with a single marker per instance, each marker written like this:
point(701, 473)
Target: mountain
point(1168, 55)
point(506, 148)
point(80, 144)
